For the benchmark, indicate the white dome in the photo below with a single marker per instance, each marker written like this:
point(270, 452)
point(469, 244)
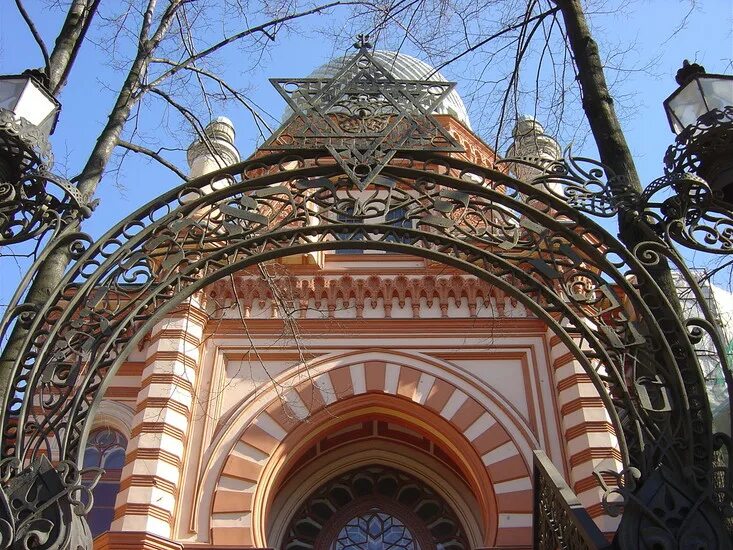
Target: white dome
point(402, 67)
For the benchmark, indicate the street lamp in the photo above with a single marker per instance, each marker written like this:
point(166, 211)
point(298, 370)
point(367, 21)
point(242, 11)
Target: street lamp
point(700, 112)
point(692, 203)
point(28, 115)
point(32, 199)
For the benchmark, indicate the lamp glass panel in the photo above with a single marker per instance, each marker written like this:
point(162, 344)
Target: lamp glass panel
point(686, 106)
point(34, 105)
point(10, 91)
point(718, 92)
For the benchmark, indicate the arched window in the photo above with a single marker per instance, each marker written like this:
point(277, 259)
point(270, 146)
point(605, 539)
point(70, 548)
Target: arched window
point(375, 523)
point(105, 449)
point(342, 236)
point(375, 507)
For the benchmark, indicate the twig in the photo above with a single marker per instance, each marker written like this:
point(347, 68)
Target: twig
point(492, 37)
point(258, 29)
point(152, 154)
point(224, 85)
point(190, 117)
point(34, 32)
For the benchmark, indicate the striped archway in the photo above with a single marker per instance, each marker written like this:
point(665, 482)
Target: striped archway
point(491, 447)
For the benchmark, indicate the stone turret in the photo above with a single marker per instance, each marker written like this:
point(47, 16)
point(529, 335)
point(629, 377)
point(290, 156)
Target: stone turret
point(533, 145)
point(218, 153)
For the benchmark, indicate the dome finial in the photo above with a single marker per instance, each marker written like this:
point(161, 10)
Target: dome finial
point(362, 42)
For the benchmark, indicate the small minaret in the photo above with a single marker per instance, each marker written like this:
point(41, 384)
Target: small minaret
point(533, 145)
point(220, 151)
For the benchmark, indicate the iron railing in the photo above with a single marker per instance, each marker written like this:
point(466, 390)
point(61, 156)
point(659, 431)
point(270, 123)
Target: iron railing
point(560, 520)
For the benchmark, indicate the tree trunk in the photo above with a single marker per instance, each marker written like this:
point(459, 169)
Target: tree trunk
point(68, 42)
point(607, 133)
point(693, 451)
point(52, 270)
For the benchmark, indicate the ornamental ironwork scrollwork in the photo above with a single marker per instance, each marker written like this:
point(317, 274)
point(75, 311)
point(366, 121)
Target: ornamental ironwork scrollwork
point(709, 136)
point(560, 521)
point(37, 203)
point(33, 201)
point(338, 185)
point(585, 184)
point(179, 243)
point(682, 207)
point(42, 507)
point(564, 270)
point(23, 142)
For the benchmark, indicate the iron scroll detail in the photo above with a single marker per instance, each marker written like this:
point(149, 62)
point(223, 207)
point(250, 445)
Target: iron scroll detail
point(361, 149)
point(506, 232)
point(42, 507)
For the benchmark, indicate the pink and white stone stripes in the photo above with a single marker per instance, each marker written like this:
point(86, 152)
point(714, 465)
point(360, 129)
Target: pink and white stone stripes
point(232, 505)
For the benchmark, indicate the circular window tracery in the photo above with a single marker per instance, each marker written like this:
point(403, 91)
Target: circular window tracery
point(375, 508)
point(374, 530)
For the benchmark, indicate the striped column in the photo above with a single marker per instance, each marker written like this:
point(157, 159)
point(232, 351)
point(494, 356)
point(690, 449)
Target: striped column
point(590, 437)
point(151, 476)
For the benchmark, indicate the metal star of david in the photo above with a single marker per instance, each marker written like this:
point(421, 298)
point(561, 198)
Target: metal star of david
point(362, 116)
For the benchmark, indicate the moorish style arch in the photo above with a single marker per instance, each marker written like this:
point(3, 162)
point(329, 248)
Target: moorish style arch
point(319, 191)
point(370, 386)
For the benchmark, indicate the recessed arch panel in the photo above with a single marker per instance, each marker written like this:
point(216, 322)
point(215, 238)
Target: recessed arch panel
point(469, 427)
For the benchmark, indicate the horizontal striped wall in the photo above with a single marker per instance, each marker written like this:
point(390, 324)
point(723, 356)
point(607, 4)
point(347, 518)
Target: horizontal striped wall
point(150, 481)
point(590, 438)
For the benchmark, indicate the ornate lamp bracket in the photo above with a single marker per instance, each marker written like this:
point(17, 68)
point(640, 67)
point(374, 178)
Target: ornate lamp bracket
point(33, 201)
point(692, 204)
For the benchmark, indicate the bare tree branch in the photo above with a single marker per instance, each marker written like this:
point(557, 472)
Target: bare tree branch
point(34, 32)
point(253, 30)
point(195, 123)
point(154, 155)
point(225, 86)
point(494, 36)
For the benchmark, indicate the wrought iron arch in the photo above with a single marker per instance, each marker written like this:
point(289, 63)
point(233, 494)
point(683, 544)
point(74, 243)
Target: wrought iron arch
point(363, 163)
point(537, 247)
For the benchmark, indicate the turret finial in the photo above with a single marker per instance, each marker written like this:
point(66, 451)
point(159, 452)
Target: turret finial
point(362, 42)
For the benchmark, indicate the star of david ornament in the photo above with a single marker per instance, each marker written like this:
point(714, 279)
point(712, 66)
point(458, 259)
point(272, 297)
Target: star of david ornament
point(362, 116)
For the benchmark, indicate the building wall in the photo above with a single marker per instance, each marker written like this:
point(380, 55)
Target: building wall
point(273, 381)
point(264, 386)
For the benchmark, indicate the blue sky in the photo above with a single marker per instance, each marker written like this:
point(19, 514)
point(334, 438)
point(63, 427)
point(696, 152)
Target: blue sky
point(644, 29)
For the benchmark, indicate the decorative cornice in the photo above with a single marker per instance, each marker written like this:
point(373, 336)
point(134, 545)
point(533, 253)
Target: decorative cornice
point(330, 294)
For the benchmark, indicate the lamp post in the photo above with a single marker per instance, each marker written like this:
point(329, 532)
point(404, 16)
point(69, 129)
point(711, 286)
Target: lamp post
point(700, 112)
point(692, 203)
point(32, 199)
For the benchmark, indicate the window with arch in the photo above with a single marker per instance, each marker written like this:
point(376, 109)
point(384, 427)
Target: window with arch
point(348, 218)
point(375, 507)
point(105, 449)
